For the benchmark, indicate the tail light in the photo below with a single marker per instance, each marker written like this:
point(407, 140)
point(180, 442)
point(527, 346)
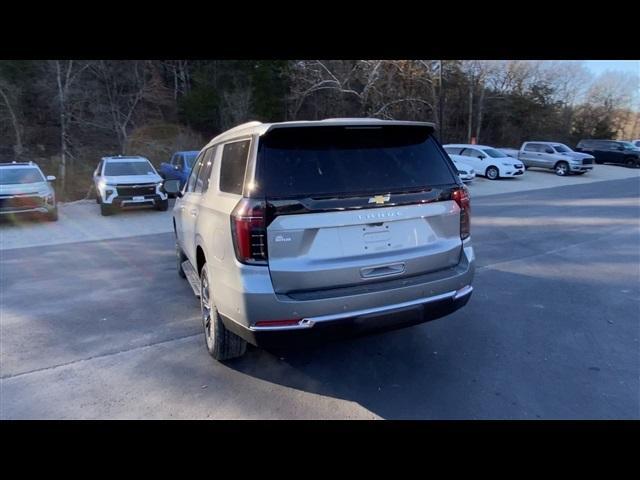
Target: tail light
point(461, 197)
point(249, 231)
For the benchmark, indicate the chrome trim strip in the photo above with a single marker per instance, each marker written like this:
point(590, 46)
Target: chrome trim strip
point(311, 321)
point(463, 292)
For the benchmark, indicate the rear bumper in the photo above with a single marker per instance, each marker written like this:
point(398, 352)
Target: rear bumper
point(385, 306)
point(322, 329)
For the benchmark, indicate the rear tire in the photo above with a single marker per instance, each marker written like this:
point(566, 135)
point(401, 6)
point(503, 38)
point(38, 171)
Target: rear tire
point(631, 163)
point(492, 173)
point(52, 216)
point(106, 209)
point(162, 205)
point(562, 169)
point(221, 343)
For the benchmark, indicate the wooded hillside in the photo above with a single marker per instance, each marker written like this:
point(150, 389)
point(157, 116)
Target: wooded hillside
point(66, 114)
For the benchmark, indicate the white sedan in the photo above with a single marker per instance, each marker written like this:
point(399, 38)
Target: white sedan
point(487, 161)
point(465, 171)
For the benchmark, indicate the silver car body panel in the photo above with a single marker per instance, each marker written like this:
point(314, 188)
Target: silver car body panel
point(318, 264)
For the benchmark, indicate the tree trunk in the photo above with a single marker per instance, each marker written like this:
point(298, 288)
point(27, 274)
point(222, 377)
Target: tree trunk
point(17, 148)
point(480, 108)
point(63, 130)
point(470, 120)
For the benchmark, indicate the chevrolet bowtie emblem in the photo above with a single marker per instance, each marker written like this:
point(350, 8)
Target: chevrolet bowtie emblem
point(380, 199)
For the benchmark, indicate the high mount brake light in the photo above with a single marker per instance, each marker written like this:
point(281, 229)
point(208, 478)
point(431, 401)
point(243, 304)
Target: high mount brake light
point(461, 197)
point(249, 231)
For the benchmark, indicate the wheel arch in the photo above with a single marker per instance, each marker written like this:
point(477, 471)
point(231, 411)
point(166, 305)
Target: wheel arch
point(494, 166)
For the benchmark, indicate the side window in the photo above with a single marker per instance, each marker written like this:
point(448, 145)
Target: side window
point(470, 152)
point(535, 147)
point(99, 168)
point(194, 173)
point(177, 160)
point(202, 182)
point(453, 150)
point(233, 166)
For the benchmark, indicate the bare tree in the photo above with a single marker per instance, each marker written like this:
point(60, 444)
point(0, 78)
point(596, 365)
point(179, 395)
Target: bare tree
point(66, 74)
point(123, 86)
point(8, 95)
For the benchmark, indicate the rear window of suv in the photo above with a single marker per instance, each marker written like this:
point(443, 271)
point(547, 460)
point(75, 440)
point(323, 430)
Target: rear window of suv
point(328, 161)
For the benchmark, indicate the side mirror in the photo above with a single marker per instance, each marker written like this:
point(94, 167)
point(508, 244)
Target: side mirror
point(621, 148)
point(50, 178)
point(548, 150)
point(172, 187)
point(482, 157)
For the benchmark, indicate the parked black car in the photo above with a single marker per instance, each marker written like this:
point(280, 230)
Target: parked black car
point(611, 151)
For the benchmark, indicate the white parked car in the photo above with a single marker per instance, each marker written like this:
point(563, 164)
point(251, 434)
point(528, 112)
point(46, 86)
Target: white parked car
point(487, 161)
point(128, 182)
point(465, 171)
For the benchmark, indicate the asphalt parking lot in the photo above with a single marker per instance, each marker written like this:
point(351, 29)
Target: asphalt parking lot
point(106, 329)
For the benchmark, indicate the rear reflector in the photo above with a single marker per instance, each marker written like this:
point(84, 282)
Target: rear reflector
point(277, 323)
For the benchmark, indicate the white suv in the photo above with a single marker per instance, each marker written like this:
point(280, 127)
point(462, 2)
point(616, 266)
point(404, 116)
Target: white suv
point(25, 189)
point(128, 182)
point(298, 230)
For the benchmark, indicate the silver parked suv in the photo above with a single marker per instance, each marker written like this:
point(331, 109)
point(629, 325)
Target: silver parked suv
point(298, 230)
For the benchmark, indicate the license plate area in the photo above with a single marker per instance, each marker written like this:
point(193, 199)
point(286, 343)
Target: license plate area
point(379, 237)
point(382, 320)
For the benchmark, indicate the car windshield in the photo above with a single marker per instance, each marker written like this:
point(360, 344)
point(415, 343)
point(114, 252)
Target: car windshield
point(561, 148)
point(326, 161)
point(492, 152)
point(114, 169)
point(190, 158)
point(14, 176)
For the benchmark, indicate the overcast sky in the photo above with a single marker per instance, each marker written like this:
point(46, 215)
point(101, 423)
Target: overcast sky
point(600, 66)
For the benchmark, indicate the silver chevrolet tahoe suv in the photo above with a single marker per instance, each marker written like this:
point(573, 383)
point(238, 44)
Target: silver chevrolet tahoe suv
point(298, 230)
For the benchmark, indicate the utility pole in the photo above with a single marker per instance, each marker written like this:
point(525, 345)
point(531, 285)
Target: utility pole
point(441, 101)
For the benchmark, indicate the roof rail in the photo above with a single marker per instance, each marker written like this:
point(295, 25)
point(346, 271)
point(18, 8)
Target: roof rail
point(30, 162)
point(254, 123)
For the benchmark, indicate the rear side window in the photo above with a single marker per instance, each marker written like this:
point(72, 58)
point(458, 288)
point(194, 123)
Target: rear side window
point(470, 152)
point(323, 161)
point(453, 150)
point(233, 166)
point(533, 147)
